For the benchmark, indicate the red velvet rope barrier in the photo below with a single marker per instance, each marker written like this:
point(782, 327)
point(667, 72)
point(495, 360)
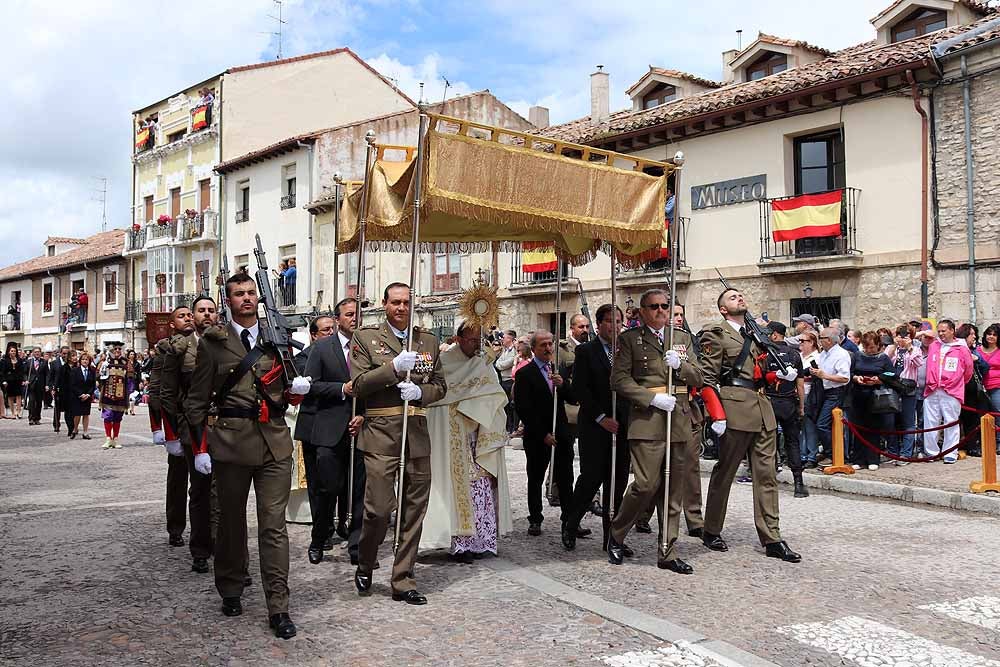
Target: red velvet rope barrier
point(913, 432)
point(909, 459)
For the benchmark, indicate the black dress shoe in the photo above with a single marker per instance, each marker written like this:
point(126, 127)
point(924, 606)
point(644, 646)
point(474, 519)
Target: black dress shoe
point(675, 565)
point(72, 435)
point(596, 509)
point(282, 626)
point(199, 565)
point(176, 541)
point(534, 529)
point(714, 542)
point(616, 555)
point(232, 606)
point(627, 550)
point(410, 597)
point(568, 536)
point(782, 551)
point(328, 545)
point(695, 532)
point(363, 582)
point(583, 532)
point(315, 555)
point(643, 527)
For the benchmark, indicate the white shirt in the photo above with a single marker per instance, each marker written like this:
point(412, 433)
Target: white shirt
point(659, 333)
point(345, 344)
point(735, 325)
point(396, 332)
point(254, 332)
point(835, 361)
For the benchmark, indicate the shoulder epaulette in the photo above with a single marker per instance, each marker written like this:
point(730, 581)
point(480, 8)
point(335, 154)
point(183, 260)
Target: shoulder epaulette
point(370, 327)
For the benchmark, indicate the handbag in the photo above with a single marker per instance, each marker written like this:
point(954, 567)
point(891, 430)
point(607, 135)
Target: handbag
point(885, 401)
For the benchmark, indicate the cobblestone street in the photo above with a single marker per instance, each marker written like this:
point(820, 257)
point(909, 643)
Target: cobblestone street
point(88, 579)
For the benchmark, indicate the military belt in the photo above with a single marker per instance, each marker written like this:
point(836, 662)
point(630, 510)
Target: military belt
point(745, 384)
point(239, 413)
point(678, 389)
point(395, 412)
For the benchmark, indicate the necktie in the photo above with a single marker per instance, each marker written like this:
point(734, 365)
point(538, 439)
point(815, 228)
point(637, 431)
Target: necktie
point(659, 337)
point(245, 337)
point(347, 356)
point(611, 357)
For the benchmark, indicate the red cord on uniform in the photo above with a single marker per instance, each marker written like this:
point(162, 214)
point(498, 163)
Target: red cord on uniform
point(154, 421)
point(168, 432)
point(713, 405)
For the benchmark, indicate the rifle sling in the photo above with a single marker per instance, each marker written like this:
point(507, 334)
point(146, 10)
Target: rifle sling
point(251, 358)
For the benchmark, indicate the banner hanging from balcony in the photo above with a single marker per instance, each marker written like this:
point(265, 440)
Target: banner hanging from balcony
point(142, 138)
point(806, 216)
point(200, 118)
point(538, 257)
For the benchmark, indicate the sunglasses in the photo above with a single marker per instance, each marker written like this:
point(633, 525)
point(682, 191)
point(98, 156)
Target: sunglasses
point(657, 306)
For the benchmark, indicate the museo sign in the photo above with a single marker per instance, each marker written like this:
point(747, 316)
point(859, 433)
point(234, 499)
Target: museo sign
point(725, 193)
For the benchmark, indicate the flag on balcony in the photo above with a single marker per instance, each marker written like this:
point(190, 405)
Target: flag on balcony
point(199, 118)
point(538, 257)
point(141, 138)
point(806, 216)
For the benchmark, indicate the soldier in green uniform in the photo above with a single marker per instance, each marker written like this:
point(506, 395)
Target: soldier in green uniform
point(729, 362)
point(182, 324)
point(175, 384)
point(642, 363)
point(236, 409)
point(379, 364)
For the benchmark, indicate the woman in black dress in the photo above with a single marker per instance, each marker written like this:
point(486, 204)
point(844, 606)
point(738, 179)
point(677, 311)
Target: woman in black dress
point(866, 368)
point(12, 374)
point(82, 384)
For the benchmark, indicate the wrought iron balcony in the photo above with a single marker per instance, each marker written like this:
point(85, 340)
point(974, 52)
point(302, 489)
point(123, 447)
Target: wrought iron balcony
point(283, 294)
point(135, 310)
point(135, 239)
point(288, 201)
point(191, 229)
point(158, 231)
point(662, 265)
point(846, 244)
point(243, 216)
point(518, 276)
point(10, 322)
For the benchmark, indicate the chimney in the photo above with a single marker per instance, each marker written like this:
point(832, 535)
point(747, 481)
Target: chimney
point(728, 75)
point(600, 99)
point(538, 116)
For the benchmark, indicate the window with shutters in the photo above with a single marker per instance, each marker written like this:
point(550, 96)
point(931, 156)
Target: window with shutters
point(147, 206)
point(447, 267)
point(920, 22)
point(769, 63)
point(205, 193)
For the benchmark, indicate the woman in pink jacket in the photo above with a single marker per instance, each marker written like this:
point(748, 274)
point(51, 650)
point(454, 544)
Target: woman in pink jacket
point(949, 367)
point(990, 352)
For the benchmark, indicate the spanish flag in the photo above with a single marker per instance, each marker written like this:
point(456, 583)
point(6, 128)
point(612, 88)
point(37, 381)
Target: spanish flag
point(538, 256)
point(141, 138)
point(199, 118)
point(806, 216)
point(665, 241)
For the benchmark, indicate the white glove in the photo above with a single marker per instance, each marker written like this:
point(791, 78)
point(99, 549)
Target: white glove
point(174, 447)
point(409, 391)
point(301, 385)
point(790, 374)
point(158, 437)
point(405, 361)
point(203, 464)
point(719, 427)
point(664, 402)
point(673, 359)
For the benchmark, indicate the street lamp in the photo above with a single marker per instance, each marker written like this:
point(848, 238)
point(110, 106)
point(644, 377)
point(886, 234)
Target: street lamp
point(807, 291)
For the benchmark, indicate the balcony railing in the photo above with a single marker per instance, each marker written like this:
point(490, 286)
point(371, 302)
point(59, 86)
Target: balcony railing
point(157, 231)
point(135, 240)
point(284, 294)
point(190, 229)
point(160, 304)
point(10, 322)
point(135, 310)
point(824, 246)
point(518, 276)
point(243, 216)
point(662, 265)
point(288, 201)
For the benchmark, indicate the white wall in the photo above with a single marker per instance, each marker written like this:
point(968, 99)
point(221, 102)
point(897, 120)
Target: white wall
point(6, 298)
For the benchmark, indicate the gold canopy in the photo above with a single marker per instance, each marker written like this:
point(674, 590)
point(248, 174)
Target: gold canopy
point(510, 187)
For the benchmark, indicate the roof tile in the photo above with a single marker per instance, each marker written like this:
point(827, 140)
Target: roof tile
point(97, 247)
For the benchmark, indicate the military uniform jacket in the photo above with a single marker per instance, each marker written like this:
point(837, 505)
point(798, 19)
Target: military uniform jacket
point(567, 359)
point(239, 440)
point(639, 369)
point(372, 350)
point(156, 376)
point(175, 381)
point(746, 409)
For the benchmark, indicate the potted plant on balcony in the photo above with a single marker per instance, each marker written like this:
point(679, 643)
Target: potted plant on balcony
point(136, 227)
point(190, 213)
point(164, 219)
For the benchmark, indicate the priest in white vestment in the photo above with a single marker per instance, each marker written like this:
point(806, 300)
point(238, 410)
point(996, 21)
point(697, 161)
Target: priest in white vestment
point(469, 506)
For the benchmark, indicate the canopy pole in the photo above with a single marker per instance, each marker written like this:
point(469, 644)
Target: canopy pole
point(672, 234)
point(611, 507)
point(338, 182)
point(555, 369)
point(362, 223)
point(414, 246)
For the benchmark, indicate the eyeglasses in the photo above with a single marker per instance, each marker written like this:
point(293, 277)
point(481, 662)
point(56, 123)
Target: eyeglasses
point(657, 306)
point(824, 338)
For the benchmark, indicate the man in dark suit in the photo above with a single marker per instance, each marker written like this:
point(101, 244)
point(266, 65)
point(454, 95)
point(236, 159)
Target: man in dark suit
point(319, 328)
point(596, 423)
point(326, 446)
point(38, 373)
point(55, 382)
point(534, 385)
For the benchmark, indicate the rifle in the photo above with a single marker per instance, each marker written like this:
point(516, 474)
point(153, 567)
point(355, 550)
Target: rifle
point(275, 329)
point(204, 284)
point(220, 280)
point(754, 331)
point(584, 309)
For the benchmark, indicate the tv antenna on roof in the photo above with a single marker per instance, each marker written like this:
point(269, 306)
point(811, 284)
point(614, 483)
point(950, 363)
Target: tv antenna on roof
point(102, 197)
point(447, 85)
point(739, 39)
point(281, 22)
